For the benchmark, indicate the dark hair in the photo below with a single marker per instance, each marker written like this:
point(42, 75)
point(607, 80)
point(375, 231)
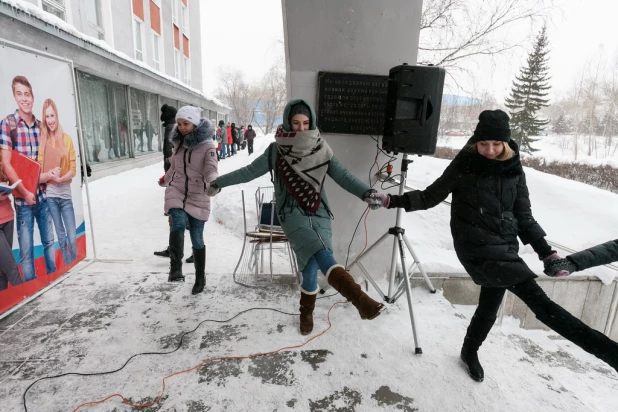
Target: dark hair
point(23, 81)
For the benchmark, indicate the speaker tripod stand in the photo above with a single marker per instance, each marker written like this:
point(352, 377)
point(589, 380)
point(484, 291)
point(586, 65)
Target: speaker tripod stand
point(404, 284)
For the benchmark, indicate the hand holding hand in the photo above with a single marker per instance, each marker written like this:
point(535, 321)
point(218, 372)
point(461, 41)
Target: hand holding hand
point(377, 200)
point(212, 189)
point(162, 181)
point(556, 266)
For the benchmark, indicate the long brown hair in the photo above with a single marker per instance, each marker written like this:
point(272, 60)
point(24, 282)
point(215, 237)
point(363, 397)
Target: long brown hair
point(3, 176)
point(56, 138)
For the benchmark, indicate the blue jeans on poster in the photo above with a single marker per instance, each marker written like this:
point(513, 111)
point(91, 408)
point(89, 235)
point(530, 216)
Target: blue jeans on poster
point(324, 260)
point(25, 216)
point(63, 215)
point(196, 226)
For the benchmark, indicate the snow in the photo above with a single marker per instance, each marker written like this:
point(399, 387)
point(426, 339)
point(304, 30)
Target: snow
point(124, 306)
point(60, 24)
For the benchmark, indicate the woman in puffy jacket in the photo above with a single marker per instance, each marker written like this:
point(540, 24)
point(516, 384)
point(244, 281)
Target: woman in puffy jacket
point(193, 166)
point(490, 210)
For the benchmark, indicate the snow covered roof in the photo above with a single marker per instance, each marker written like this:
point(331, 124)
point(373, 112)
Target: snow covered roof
point(38, 13)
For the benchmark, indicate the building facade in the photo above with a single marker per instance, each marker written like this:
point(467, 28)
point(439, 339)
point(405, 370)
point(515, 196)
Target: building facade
point(130, 57)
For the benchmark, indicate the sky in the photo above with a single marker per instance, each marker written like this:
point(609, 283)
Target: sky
point(576, 34)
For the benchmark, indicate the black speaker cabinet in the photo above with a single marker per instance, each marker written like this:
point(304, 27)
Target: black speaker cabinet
point(413, 109)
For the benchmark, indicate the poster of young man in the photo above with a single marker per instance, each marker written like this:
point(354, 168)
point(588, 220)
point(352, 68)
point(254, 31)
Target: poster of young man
point(42, 230)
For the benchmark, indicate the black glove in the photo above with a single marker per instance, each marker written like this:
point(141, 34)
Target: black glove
point(398, 202)
point(559, 267)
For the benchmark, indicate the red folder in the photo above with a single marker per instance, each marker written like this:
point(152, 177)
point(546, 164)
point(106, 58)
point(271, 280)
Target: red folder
point(28, 171)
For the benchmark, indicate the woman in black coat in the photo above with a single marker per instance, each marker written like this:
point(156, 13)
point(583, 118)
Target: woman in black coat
point(490, 209)
point(595, 256)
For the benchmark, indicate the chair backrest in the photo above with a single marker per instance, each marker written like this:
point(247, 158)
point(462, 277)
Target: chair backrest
point(266, 205)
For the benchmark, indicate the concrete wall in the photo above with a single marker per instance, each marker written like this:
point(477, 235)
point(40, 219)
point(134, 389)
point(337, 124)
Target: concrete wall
point(585, 297)
point(123, 27)
point(357, 36)
point(167, 33)
point(195, 43)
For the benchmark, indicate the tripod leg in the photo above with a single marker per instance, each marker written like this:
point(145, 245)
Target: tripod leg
point(420, 266)
point(406, 278)
point(391, 274)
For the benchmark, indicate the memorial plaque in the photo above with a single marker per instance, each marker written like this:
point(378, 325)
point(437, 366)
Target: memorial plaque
point(350, 103)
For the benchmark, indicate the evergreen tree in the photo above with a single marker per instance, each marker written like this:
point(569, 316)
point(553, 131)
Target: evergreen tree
point(561, 126)
point(528, 95)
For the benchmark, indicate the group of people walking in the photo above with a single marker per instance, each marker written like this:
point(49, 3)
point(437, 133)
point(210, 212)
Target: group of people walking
point(230, 139)
point(490, 211)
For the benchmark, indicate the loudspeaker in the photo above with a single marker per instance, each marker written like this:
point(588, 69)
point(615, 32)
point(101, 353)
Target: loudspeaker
point(413, 108)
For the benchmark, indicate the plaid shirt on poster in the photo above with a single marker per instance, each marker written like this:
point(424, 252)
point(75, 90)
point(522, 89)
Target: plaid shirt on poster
point(27, 143)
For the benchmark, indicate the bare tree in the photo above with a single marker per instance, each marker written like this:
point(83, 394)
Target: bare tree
point(454, 31)
point(273, 93)
point(237, 93)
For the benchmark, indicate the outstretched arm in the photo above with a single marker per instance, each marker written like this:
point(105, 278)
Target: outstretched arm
point(430, 197)
point(345, 179)
point(245, 174)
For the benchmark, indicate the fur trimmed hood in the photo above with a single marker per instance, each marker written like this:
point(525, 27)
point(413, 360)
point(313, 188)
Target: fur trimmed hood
point(202, 133)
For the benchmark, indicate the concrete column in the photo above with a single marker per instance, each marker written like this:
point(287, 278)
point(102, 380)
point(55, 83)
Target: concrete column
point(354, 36)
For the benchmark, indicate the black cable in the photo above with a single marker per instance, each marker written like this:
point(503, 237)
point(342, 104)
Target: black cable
point(354, 234)
point(148, 353)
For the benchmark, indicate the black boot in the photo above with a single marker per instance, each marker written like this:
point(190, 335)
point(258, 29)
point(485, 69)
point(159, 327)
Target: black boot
point(176, 249)
point(199, 256)
point(475, 336)
point(189, 259)
point(164, 253)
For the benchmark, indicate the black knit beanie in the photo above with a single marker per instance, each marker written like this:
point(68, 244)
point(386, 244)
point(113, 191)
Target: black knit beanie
point(168, 113)
point(492, 125)
point(221, 123)
point(299, 108)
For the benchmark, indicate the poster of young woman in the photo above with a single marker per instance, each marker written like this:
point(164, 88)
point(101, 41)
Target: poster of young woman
point(42, 229)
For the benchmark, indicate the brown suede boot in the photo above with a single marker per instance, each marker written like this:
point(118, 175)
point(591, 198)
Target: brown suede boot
point(344, 283)
point(307, 304)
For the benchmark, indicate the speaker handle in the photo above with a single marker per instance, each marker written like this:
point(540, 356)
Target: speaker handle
point(426, 109)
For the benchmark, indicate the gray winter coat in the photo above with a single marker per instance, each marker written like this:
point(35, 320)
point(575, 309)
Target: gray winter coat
point(192, 166)
point(307, 234)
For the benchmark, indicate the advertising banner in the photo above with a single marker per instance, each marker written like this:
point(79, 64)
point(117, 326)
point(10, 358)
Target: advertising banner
point(42, 229)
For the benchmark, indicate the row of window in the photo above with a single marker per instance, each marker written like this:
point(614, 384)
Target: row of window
point(121, 122)
point(182, 63)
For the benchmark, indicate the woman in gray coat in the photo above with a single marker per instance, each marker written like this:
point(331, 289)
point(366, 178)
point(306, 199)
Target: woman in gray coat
point(193, 166)
point(300, 159)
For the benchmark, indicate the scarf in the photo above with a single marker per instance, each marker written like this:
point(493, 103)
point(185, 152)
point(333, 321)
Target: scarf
point(302, 162)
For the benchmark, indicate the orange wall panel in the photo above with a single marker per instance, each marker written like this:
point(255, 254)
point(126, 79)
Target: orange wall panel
point(138, 8)
point(176, 37)
point(155, 17)
point(185, 45)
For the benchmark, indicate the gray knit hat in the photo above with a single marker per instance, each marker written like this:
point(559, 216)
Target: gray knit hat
point(299, 108)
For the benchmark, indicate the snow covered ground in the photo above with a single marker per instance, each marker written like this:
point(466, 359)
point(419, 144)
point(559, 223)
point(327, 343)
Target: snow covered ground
point(102, 314)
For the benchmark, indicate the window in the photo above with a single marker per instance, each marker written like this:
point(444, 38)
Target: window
point(137, 28)
point(156, 50)
point(186, 70)
point(185, 20)
point(177, 63)
point(93, 14)
point(175, 12)
point(55, 7)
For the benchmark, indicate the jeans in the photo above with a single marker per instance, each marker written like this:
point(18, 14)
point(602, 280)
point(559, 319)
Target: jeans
point(324, 260)
point(234, 148)
point(196, 226)
point(63, 215)
point(250, 146)
point(223, 150)
point(25, 216)
point(8, 267)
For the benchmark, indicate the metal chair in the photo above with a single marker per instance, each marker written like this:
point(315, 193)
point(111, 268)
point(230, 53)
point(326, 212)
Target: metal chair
point(265, 240)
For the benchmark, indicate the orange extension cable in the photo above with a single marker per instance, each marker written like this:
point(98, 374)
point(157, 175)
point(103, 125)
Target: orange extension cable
point(158, 399)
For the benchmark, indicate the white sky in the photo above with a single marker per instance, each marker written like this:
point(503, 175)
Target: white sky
point(243, 34)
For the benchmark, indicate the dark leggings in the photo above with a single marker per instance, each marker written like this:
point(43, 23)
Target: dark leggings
point(551, 314)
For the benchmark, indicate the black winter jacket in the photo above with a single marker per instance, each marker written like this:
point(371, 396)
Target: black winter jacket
point(490, 209)
point(168, 146)
point(596, 256)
